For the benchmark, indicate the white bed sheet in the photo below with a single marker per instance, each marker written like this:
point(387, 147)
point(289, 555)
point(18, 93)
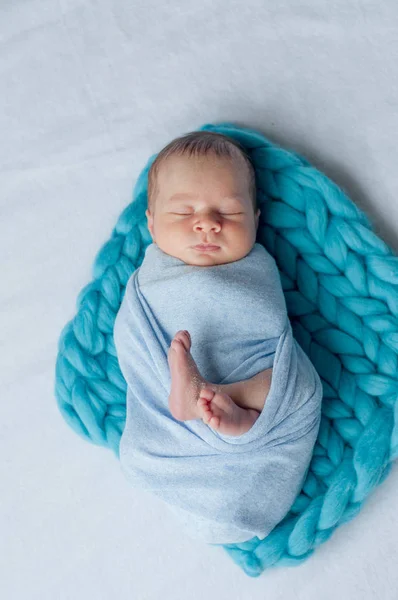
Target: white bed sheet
point(89, 90)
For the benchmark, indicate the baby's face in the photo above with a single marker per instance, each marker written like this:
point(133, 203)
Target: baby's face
point(203, 200)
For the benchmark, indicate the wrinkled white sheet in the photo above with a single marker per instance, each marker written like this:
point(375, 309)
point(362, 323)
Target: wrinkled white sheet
point(89, 90)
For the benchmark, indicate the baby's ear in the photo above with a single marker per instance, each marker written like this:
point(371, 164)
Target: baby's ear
point(150, 222)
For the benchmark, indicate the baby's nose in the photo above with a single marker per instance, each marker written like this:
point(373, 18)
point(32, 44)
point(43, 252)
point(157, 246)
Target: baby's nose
point(209, 221)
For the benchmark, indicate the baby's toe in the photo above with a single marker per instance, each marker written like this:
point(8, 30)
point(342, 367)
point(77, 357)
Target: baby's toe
point(184, 337)
point(207, 393)
point(214, 422)
point(203, 405)
point(202, 401)
point(206, 418)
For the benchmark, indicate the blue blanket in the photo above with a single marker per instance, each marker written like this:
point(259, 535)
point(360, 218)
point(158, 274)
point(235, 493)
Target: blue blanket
point(224, 489)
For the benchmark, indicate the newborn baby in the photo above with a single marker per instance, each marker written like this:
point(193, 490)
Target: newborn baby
point(223, 405)
point(203, 210)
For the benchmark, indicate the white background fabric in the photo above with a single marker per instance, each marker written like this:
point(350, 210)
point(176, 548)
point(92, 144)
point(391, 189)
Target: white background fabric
point(89, 90)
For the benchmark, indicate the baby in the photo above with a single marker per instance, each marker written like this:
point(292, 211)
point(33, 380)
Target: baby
point(202, 209)
point(221, 430)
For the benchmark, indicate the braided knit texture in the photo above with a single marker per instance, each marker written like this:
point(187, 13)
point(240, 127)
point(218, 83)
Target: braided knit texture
point(341, 287)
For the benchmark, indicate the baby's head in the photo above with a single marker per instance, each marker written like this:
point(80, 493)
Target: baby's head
point(201, 189)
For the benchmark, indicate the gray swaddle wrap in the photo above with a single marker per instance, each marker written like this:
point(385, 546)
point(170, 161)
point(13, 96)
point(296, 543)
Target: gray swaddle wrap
point(224, 489)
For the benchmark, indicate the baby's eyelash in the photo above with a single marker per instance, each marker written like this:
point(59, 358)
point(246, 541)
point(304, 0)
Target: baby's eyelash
point(185, 214)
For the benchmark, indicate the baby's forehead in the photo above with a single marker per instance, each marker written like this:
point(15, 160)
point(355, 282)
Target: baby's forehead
point(175, 173)
point(186, 162)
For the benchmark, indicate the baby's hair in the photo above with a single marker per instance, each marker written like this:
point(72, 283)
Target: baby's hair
point(202, 143)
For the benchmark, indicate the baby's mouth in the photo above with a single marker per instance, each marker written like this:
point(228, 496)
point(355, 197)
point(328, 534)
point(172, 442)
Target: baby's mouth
point(206, 247)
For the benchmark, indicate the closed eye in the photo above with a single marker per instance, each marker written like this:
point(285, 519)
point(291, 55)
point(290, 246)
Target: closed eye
point(182, 214)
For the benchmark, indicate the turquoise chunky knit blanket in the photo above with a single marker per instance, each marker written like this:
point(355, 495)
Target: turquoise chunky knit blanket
point(340, 283)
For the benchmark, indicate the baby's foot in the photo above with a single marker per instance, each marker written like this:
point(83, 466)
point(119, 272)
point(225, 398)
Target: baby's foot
point(186, 381)
point(220, 412)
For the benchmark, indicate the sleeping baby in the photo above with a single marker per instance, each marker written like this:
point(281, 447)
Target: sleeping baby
point(223, 406)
